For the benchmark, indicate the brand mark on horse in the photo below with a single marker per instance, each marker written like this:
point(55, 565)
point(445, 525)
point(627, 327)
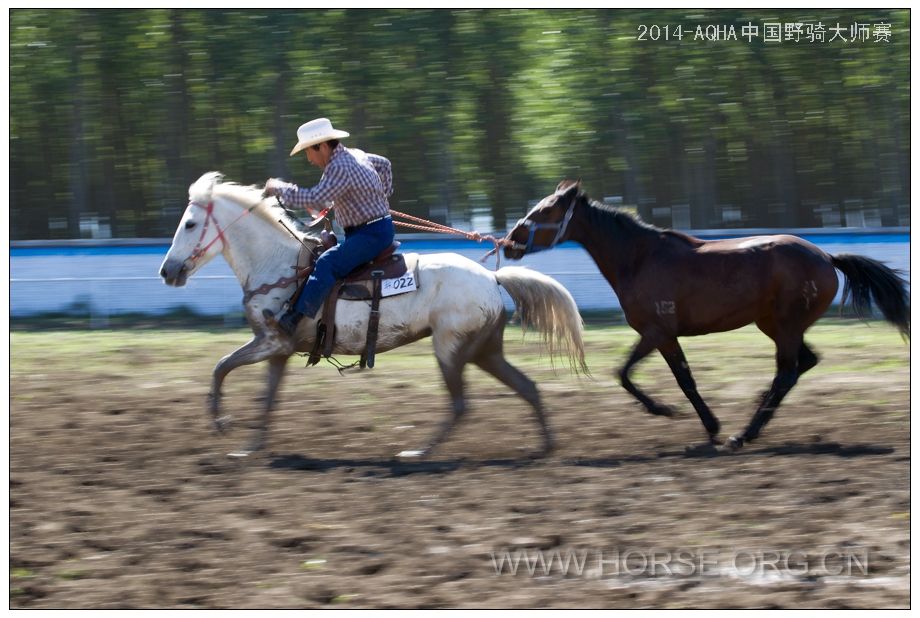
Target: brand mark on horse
point(664, 307)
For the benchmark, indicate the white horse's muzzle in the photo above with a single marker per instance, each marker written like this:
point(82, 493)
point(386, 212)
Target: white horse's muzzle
point(174, 272)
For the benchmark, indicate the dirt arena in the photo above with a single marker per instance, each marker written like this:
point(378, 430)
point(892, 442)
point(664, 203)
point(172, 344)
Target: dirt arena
point(121, 497)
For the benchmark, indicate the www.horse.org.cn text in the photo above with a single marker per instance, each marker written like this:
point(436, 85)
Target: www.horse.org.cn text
point(598, 563)
point(770, 32)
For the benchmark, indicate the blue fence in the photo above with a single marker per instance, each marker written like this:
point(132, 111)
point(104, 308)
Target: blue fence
point(90, 278)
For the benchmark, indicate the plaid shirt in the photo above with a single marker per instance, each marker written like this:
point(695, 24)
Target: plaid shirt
point(358, 184)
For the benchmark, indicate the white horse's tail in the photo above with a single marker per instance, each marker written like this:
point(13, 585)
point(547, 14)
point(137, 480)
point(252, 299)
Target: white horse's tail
point(543, 304)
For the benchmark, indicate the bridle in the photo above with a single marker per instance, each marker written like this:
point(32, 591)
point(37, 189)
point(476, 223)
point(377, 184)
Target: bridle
point(201, 248)
point(533, 228)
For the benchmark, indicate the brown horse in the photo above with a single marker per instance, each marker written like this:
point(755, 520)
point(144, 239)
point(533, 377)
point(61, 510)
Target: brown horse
point(671, 284)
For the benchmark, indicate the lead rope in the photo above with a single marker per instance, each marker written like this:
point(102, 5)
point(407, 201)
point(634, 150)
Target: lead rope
point(431, 226)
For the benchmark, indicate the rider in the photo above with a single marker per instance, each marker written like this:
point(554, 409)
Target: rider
point(358, 184)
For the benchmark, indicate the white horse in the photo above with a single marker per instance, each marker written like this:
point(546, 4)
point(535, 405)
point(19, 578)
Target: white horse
point(457, 303)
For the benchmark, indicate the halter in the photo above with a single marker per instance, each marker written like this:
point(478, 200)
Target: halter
point(559, 226)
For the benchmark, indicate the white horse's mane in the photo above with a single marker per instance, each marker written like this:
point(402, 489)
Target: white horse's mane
point(212, 185)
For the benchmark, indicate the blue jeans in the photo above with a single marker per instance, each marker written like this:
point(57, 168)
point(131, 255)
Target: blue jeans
point(361, 245)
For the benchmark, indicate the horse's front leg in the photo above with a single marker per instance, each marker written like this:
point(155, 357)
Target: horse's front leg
point(674, 356)
point(257, 349)
point(276, 365)
point(643, 348)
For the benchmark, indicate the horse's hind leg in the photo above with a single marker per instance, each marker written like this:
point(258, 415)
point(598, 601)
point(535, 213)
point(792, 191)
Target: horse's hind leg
point(491, 358)
point(495, 364)
point(453, 379)
point(789, 350)
point(453, 353)
point(807, 359)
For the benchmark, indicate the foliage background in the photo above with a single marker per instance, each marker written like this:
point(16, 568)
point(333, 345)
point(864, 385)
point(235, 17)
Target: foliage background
point(113, 113)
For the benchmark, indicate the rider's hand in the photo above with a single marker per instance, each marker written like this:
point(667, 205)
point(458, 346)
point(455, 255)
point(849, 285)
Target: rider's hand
point(273, 186)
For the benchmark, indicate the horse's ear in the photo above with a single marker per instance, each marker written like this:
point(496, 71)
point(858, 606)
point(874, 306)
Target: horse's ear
point(568, 188)
point(202, 188)
point(567, 184)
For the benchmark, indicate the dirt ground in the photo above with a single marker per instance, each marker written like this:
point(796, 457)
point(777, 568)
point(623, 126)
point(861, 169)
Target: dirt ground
point(121, 497)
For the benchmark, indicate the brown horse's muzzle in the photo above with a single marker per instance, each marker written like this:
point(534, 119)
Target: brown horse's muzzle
point(515, 246)
point(512, 253)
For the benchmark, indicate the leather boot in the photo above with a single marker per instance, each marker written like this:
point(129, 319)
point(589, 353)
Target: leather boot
point(287, 323)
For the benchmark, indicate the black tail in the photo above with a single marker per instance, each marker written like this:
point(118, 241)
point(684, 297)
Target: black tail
point(867, 280)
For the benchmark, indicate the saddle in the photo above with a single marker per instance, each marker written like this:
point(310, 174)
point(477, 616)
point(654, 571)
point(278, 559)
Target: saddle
point(363, 283)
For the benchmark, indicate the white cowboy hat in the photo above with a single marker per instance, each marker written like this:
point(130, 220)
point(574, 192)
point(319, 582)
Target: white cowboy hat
point(316, 132)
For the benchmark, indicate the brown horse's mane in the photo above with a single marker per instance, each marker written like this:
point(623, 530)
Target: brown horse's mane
point(618, 220)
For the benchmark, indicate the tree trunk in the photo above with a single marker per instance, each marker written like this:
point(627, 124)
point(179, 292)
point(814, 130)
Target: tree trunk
point(177, 164)
point(78, 154)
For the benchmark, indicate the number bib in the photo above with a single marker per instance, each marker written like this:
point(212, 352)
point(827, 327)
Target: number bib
point(399, 285)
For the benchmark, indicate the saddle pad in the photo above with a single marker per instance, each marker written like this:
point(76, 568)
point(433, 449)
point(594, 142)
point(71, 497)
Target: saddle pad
point(400, 277)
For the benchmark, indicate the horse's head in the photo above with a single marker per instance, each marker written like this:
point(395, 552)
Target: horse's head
point(546, 224)
point(198, 237)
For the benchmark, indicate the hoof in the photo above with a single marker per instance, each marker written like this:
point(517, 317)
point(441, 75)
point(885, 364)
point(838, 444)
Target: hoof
point(660, 410)
point(734, 444)
point(411, 454)
point(715, 440)
point(222, 424)
point(246, 451)
point(706, 449)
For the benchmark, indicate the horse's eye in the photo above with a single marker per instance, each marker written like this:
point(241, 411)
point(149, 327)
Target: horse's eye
point(189, 225)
